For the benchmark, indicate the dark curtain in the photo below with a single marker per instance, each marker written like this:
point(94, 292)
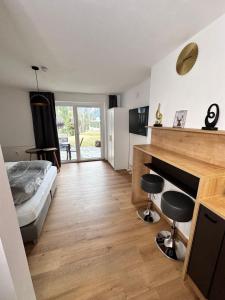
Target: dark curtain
point(44, 124)
point(112, 101)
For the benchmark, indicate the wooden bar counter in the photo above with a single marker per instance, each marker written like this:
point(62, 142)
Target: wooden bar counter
point(195, 153)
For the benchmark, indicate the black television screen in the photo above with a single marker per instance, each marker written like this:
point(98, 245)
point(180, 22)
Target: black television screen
point(138, 119)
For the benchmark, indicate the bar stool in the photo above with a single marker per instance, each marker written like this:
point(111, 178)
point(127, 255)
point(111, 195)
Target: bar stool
point(151, 184)
point(178, 207)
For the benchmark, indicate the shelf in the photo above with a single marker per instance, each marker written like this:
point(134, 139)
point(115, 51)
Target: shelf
point(194, 130)
point(188, 164)
point(183, 180)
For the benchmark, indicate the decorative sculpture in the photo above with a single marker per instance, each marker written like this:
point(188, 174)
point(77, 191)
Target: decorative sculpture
point(210, 125)
point(158, 115)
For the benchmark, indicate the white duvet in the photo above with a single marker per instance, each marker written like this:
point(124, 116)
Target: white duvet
point(28, 211)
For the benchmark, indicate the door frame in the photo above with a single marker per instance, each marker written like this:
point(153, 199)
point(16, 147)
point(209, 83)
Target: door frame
point(75, 105)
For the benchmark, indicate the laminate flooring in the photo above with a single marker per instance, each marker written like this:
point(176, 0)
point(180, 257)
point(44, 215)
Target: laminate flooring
point(93, 246)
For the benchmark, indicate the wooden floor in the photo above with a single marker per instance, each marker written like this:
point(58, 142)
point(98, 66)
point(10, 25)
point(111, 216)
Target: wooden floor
point(94, 247)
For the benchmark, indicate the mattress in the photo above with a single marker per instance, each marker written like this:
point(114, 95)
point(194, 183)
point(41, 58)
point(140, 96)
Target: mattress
point(28, 211)
point(25, 177)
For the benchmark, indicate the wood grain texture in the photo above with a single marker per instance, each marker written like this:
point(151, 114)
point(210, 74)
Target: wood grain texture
point(216, 204)
point(93, 247)
point(139, 169)
point(187, 163)
point(194, 130)
point(195, 288)
point(197, 152)
point(200, 144)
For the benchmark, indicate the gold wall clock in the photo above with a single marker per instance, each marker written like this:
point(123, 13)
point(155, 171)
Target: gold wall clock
point(187, 58)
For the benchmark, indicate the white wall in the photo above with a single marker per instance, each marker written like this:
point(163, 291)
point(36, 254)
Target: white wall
point(16, 128)
point(196, 90)
point(79, 98)
point(135, 97)
point(13, 261)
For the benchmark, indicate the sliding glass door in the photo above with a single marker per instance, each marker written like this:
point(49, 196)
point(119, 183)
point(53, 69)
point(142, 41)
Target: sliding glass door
point(66, 132)
point(80, 132)
point(89, 126)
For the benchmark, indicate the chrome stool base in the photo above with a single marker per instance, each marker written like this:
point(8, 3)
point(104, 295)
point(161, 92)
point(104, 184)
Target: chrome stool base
point(148, 215)
point(172, 248)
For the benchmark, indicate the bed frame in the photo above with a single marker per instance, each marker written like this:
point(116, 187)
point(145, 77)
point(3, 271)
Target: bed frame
point(32, 231)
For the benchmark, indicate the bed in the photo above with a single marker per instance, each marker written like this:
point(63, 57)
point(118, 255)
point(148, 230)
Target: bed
point(32, 213)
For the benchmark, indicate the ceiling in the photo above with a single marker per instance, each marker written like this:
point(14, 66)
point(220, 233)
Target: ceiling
point(94, 46)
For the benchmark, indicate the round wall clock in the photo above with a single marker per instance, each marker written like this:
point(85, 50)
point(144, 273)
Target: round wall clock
point(187, 58)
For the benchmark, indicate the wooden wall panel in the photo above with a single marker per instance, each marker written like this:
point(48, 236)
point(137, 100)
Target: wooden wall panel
point(211, 186)
point(202, 145)
point(200, 153)
point(139, 158)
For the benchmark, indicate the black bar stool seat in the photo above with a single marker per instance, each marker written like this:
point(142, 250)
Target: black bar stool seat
point(179, 207)
point(151, 184)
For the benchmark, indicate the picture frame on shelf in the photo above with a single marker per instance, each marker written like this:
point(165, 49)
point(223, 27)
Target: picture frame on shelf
point(180, 119)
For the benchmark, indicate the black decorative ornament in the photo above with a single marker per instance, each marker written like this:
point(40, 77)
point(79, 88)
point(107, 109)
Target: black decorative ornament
point(210, 125)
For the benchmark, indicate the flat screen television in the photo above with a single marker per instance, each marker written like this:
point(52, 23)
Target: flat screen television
point(138, 119)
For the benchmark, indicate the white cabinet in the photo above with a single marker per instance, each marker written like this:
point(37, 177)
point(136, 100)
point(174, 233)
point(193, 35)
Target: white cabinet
point(118, 137)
